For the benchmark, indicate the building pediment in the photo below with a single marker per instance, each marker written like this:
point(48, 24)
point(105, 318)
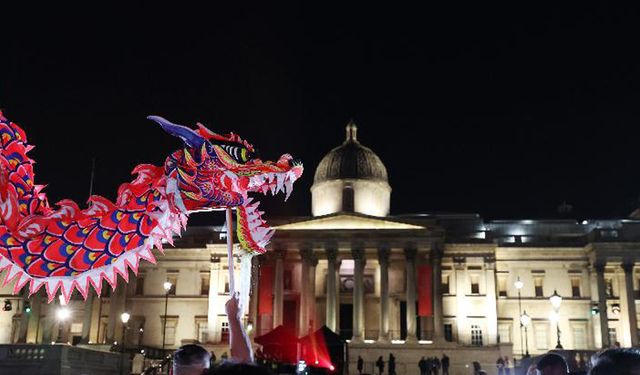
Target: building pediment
point(348, 221)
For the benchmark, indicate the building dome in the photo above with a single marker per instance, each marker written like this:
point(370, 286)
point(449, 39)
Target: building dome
point(351, 178)
point(351, 160)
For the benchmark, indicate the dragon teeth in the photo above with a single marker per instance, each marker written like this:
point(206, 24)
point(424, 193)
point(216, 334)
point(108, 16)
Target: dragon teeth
point(288, 189)
point(280, 182)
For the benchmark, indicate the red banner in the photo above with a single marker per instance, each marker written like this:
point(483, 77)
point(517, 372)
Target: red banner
point(425, 281)
point(265, 291)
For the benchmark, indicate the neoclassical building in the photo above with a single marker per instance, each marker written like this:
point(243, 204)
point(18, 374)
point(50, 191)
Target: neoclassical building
point(412, 285)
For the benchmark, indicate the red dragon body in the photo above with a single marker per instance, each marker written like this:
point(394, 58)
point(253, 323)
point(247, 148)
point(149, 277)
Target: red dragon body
point(69, 248)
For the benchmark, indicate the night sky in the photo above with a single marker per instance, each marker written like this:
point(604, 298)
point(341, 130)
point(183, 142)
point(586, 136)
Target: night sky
point(506, 112)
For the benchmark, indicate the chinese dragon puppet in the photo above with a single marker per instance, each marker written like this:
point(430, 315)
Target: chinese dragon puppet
point(66, 248)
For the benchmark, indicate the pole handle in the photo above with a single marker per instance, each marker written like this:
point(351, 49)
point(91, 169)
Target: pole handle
point(232, 288)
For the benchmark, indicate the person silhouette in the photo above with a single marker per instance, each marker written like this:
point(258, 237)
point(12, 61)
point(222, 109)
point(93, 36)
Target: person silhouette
point(380, 365)
point(360, 365)
point(392, 364)
point(445, 364)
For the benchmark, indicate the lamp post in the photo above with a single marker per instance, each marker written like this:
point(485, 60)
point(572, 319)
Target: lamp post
point(167, 287)
point(124, 318)
point(524, 321)
point(556, 300)
point(519, 284)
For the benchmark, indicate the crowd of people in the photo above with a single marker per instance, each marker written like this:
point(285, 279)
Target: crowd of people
point(195, 360)
point(616, 361)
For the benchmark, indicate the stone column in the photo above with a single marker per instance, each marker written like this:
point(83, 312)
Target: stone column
point(50, 328)
point(87, 319)
point(461, 296)
point(35, 320)
point(410, 266)
point(631, 303)
point(383, 260)
point(602, 305)
point(278, 287)
point(303, 317)
point(358, 294)
point(24, 320)
point(492, 309)
point(311, 299)
point(438, 325)
point(332, 298)
point(116, 307)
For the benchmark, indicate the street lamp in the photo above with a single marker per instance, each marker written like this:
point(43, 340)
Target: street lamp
point(524, 321)
point(124, 317)
point(519, 284)
point(167, 287)
point(556, 300)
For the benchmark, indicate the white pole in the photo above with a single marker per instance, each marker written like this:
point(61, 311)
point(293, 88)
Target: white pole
point(232, 288)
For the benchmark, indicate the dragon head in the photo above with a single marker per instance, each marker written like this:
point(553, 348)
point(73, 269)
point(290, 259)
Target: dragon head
point(216, 171)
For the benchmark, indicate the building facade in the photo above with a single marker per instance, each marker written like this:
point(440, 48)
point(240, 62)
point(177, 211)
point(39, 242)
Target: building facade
point(412, 285)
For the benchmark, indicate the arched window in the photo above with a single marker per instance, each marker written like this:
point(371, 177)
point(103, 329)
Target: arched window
point(347, 198)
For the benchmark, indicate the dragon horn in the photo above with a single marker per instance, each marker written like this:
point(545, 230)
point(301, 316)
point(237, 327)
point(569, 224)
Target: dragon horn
point(189, 137)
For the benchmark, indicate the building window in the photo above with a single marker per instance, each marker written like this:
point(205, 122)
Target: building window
point(172, 324)
point(476, 335)
point(448, 332)
point(541, 338)
point(537, 282)
point(224, 330)
point(579, 337)
point(609, 287)
point(226, 284)
point(475, 284)
point(504, 333)
point(172, 277)
point(445, 284)
point(140, 285)
point(347, 198)
point(575, 287)
point(202, 330)
point(204, 284)
point(502, 286)
point(613, 335)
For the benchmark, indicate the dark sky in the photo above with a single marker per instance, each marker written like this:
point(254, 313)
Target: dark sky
point(502, 111)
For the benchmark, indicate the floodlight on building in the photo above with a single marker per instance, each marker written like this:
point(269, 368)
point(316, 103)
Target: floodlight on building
point(397, 341)
point(63, 313)
point(556, 300)
point(167, 286)
point(369, 341)
point(124, 317)
point(518, 284)
point(615, 308)
point(425, 342)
